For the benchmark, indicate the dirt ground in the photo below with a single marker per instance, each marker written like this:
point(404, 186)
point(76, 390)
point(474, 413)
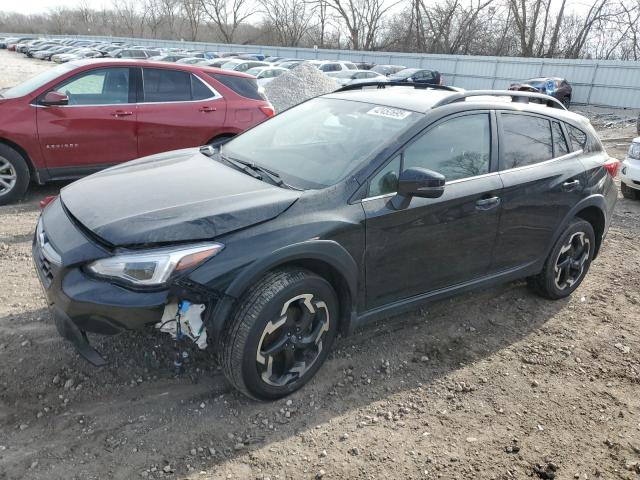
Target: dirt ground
point(498, 384)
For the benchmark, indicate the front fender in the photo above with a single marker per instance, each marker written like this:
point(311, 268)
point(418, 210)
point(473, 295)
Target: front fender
point(327, 252)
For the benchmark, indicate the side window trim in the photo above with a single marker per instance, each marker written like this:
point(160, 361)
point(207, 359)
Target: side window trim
point(131, 98)
point(216, 95)
point(533, 114)
point(493, 154)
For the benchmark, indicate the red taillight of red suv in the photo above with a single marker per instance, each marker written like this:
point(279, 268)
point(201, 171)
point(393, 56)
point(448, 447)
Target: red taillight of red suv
point(47, 200)
point(268, 110)
point(612, 165)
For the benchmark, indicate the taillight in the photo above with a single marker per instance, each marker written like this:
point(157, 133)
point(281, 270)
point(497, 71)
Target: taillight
point(268, 110)
point(47, 200)
point(612, 165)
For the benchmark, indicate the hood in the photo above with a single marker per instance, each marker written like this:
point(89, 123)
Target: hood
point(172, 197)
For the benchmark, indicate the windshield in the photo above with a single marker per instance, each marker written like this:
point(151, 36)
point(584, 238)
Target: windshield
point(320, 142)
point(406, 73)
point(36, 82)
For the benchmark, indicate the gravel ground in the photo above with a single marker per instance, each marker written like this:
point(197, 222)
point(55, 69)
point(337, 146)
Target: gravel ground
point(498, 384)
point(297, 85)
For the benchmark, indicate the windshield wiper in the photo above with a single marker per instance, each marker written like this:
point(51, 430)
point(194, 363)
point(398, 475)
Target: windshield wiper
point(273, 176)
point(256, 171)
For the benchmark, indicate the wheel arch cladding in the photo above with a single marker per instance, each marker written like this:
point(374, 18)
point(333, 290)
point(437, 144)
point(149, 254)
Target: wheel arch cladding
point(590, 209)
point(595, 216)
point(326, 258)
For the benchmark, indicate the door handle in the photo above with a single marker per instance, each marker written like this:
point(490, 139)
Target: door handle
point(208, 109)
point(121, 113)
point(570, 185)
point(487, 203)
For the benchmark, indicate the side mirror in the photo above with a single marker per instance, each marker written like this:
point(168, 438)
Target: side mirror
point(55, 98)
point(418, 182)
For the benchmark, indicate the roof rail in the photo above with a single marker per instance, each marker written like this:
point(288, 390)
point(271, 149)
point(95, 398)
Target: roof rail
point(516, 96)
point(359, 86)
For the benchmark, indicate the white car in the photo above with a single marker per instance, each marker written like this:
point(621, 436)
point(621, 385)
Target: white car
point(349, 77)
point(630, 172)
point(265, 74)
point(333, 66)
point(240, 65)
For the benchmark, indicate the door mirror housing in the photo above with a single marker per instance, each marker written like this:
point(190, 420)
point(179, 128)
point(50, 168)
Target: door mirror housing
point(418, 182)
point(55, 98)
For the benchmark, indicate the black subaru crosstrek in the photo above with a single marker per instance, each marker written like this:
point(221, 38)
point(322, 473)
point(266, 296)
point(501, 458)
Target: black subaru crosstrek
point(349, 207)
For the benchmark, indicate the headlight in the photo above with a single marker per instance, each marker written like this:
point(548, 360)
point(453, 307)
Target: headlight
point(153, 267)
point(634, 151)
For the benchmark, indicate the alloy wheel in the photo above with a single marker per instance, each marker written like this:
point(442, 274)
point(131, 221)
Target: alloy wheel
point(291, 344)
point(570, 263)
point(8, 176)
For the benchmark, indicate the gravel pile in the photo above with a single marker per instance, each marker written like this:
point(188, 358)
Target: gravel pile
point(299, 84)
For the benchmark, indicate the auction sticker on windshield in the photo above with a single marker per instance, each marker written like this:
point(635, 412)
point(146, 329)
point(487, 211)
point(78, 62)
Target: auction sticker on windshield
point(388, 112)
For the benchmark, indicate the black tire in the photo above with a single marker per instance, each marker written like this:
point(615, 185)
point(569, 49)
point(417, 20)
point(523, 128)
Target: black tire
point(628, 192)
point(259, 318)
point(566, 101)
point(14, 175)
point(555, 283)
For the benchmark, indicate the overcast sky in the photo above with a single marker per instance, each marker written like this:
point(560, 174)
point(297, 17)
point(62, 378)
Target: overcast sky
point(38, 6)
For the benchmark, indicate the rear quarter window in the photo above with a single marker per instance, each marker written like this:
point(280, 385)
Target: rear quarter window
point(245, 87)
point(581, 140)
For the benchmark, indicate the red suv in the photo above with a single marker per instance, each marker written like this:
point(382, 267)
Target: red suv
point(80, 117)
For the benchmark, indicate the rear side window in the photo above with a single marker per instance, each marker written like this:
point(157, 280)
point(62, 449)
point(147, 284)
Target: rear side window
point(199, 90)
point(445, 150)
point(526, 140)
point(162, 85)
point(245, 87)
point(559, 142)
point(577, 137)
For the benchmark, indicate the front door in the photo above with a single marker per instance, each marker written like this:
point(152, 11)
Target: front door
point(179, 110)
point(434, 243)
point(96, 129)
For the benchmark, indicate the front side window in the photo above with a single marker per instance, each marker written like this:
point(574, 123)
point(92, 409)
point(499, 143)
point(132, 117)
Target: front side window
point(161, 85)
point(456, 148)
point(526, 140)
point(318, 143)
point(104, 86)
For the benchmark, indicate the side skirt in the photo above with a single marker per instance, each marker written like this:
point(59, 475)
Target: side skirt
point(68, 173)
point(411, 303)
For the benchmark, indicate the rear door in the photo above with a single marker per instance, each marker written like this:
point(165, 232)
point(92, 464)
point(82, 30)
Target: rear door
point(178, 110)
point(98, 126)
point(542, 182)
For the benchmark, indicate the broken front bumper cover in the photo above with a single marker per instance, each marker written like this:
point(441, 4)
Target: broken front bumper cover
point(78, 338)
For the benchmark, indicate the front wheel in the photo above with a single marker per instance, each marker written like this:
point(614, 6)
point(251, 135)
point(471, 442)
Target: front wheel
point(568, 262)
point(14, 175)
point(281, 333)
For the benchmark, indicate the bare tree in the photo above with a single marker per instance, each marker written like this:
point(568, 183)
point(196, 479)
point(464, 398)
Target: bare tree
point(227, 15)
point(289, 19)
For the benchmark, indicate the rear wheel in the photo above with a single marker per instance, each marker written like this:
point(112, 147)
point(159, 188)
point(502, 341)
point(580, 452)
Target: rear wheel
point(566, 101)
point(14, 175)
point(280, 334)
point(628, 192)
point(568, 262)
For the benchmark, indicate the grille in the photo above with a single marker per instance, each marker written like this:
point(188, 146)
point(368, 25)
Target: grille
point(46, 258)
